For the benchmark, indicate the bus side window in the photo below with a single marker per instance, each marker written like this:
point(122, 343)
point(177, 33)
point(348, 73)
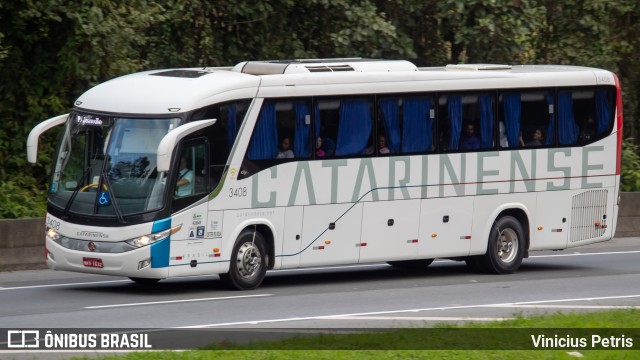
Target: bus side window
point(584, 115)
point(466, 122)
point(593, 113)
point(349, 121)
point(282, 131)
point(222, 134)
point(406, 125)
point(192, 171)
point(526, 119)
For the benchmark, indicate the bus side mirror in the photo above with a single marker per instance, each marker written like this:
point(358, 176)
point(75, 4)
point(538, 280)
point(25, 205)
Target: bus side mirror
point(169, 141)
point(32, 140)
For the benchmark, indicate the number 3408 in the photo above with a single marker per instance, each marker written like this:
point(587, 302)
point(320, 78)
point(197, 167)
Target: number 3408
point(238, 192)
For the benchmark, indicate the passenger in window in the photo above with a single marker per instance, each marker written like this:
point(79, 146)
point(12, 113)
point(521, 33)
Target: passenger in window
point(504, 141)
point(536, 138)
point(319, 149)
point(470, 141)
point(285, 149)
point(382, 146)
point(587, 131)
point(185, 179)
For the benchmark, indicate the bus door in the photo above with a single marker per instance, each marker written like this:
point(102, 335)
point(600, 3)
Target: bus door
point(192, 248)
point(331, 234)
point(390, 230)
point(445, 227)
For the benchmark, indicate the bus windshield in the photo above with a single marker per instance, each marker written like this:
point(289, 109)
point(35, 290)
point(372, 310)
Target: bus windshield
point(107, 166)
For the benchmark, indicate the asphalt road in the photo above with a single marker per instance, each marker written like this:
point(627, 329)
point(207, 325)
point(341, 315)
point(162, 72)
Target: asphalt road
point(590, 278)
point(595, 277)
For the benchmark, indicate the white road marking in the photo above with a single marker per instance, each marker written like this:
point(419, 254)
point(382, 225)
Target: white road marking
point(67, 284)
point(587, 254)
point(332, 317)
point(175, 301)
point(420, 318)
point(604, 307)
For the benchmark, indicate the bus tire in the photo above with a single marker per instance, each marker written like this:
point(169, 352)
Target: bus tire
point(411, 264)
point(143, 281)
point(506, 247)
point(249, 261)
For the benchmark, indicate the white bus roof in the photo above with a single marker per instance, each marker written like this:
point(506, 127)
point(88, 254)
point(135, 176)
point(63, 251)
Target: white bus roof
point(180, 90)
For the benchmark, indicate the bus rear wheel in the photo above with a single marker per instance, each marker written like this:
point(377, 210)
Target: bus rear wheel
point(249, 262)
point(505, 249)
point(411, 264)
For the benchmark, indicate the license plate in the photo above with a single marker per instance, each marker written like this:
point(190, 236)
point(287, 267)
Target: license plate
point(92, 262)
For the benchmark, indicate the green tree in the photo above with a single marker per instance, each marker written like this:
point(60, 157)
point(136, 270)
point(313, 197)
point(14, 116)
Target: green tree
point(51, 52)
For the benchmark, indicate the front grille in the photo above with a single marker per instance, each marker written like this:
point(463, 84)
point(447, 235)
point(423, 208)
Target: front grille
point(98, 246)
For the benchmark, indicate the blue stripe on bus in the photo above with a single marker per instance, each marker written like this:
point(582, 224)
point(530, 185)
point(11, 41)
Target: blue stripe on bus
point(160, 249)
point(160, 225)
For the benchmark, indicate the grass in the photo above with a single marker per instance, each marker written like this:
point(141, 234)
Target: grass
point(497, 339)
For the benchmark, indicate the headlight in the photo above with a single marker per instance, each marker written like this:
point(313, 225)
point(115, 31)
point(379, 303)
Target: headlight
point(52, 234)
point(150, 239)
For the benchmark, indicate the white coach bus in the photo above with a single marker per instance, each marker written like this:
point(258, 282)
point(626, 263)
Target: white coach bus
point(286, 164)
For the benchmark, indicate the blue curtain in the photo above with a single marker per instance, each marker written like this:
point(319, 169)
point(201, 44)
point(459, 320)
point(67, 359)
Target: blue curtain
point(264, 143)
point(454, 104)
point(603, 111)
point(417, 125)
point(390, 114)
point(567, 128)
point(512, 110)
point(486, 121)
point(302, 130)
point(354, 128)
point(551, 129)
point(316, 115)
point(232, 126)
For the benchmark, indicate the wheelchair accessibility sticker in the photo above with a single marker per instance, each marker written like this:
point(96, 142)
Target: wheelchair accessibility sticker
point(104, 199)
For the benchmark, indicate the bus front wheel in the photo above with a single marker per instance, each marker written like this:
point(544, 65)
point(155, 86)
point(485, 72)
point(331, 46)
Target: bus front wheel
point(505, 249)
point(249, 262)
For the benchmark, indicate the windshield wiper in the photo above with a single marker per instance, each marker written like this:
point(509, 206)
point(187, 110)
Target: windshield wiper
point(85, 175)
point(116, 207)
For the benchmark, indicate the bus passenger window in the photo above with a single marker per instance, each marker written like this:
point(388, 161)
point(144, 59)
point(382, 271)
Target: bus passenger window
point(222, 134)
point(526, 119)
point(344, 126)
point(469, 122)
point(282, 131)
point(593, 114)
point(406, 124)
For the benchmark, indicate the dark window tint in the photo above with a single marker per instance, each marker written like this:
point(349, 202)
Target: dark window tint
point(526, 119)
point(406, 125)
point(343, 127)
point(223, 134)
point(466, 122)
point(282, 131)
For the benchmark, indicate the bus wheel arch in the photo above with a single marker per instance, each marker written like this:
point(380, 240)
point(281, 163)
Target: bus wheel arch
point(507, 244)
point(267, 234)
point(523, 219)
point(249, 260)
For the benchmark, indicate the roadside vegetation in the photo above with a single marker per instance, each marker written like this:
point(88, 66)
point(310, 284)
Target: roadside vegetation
point(496, 338)
point(53, 51)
